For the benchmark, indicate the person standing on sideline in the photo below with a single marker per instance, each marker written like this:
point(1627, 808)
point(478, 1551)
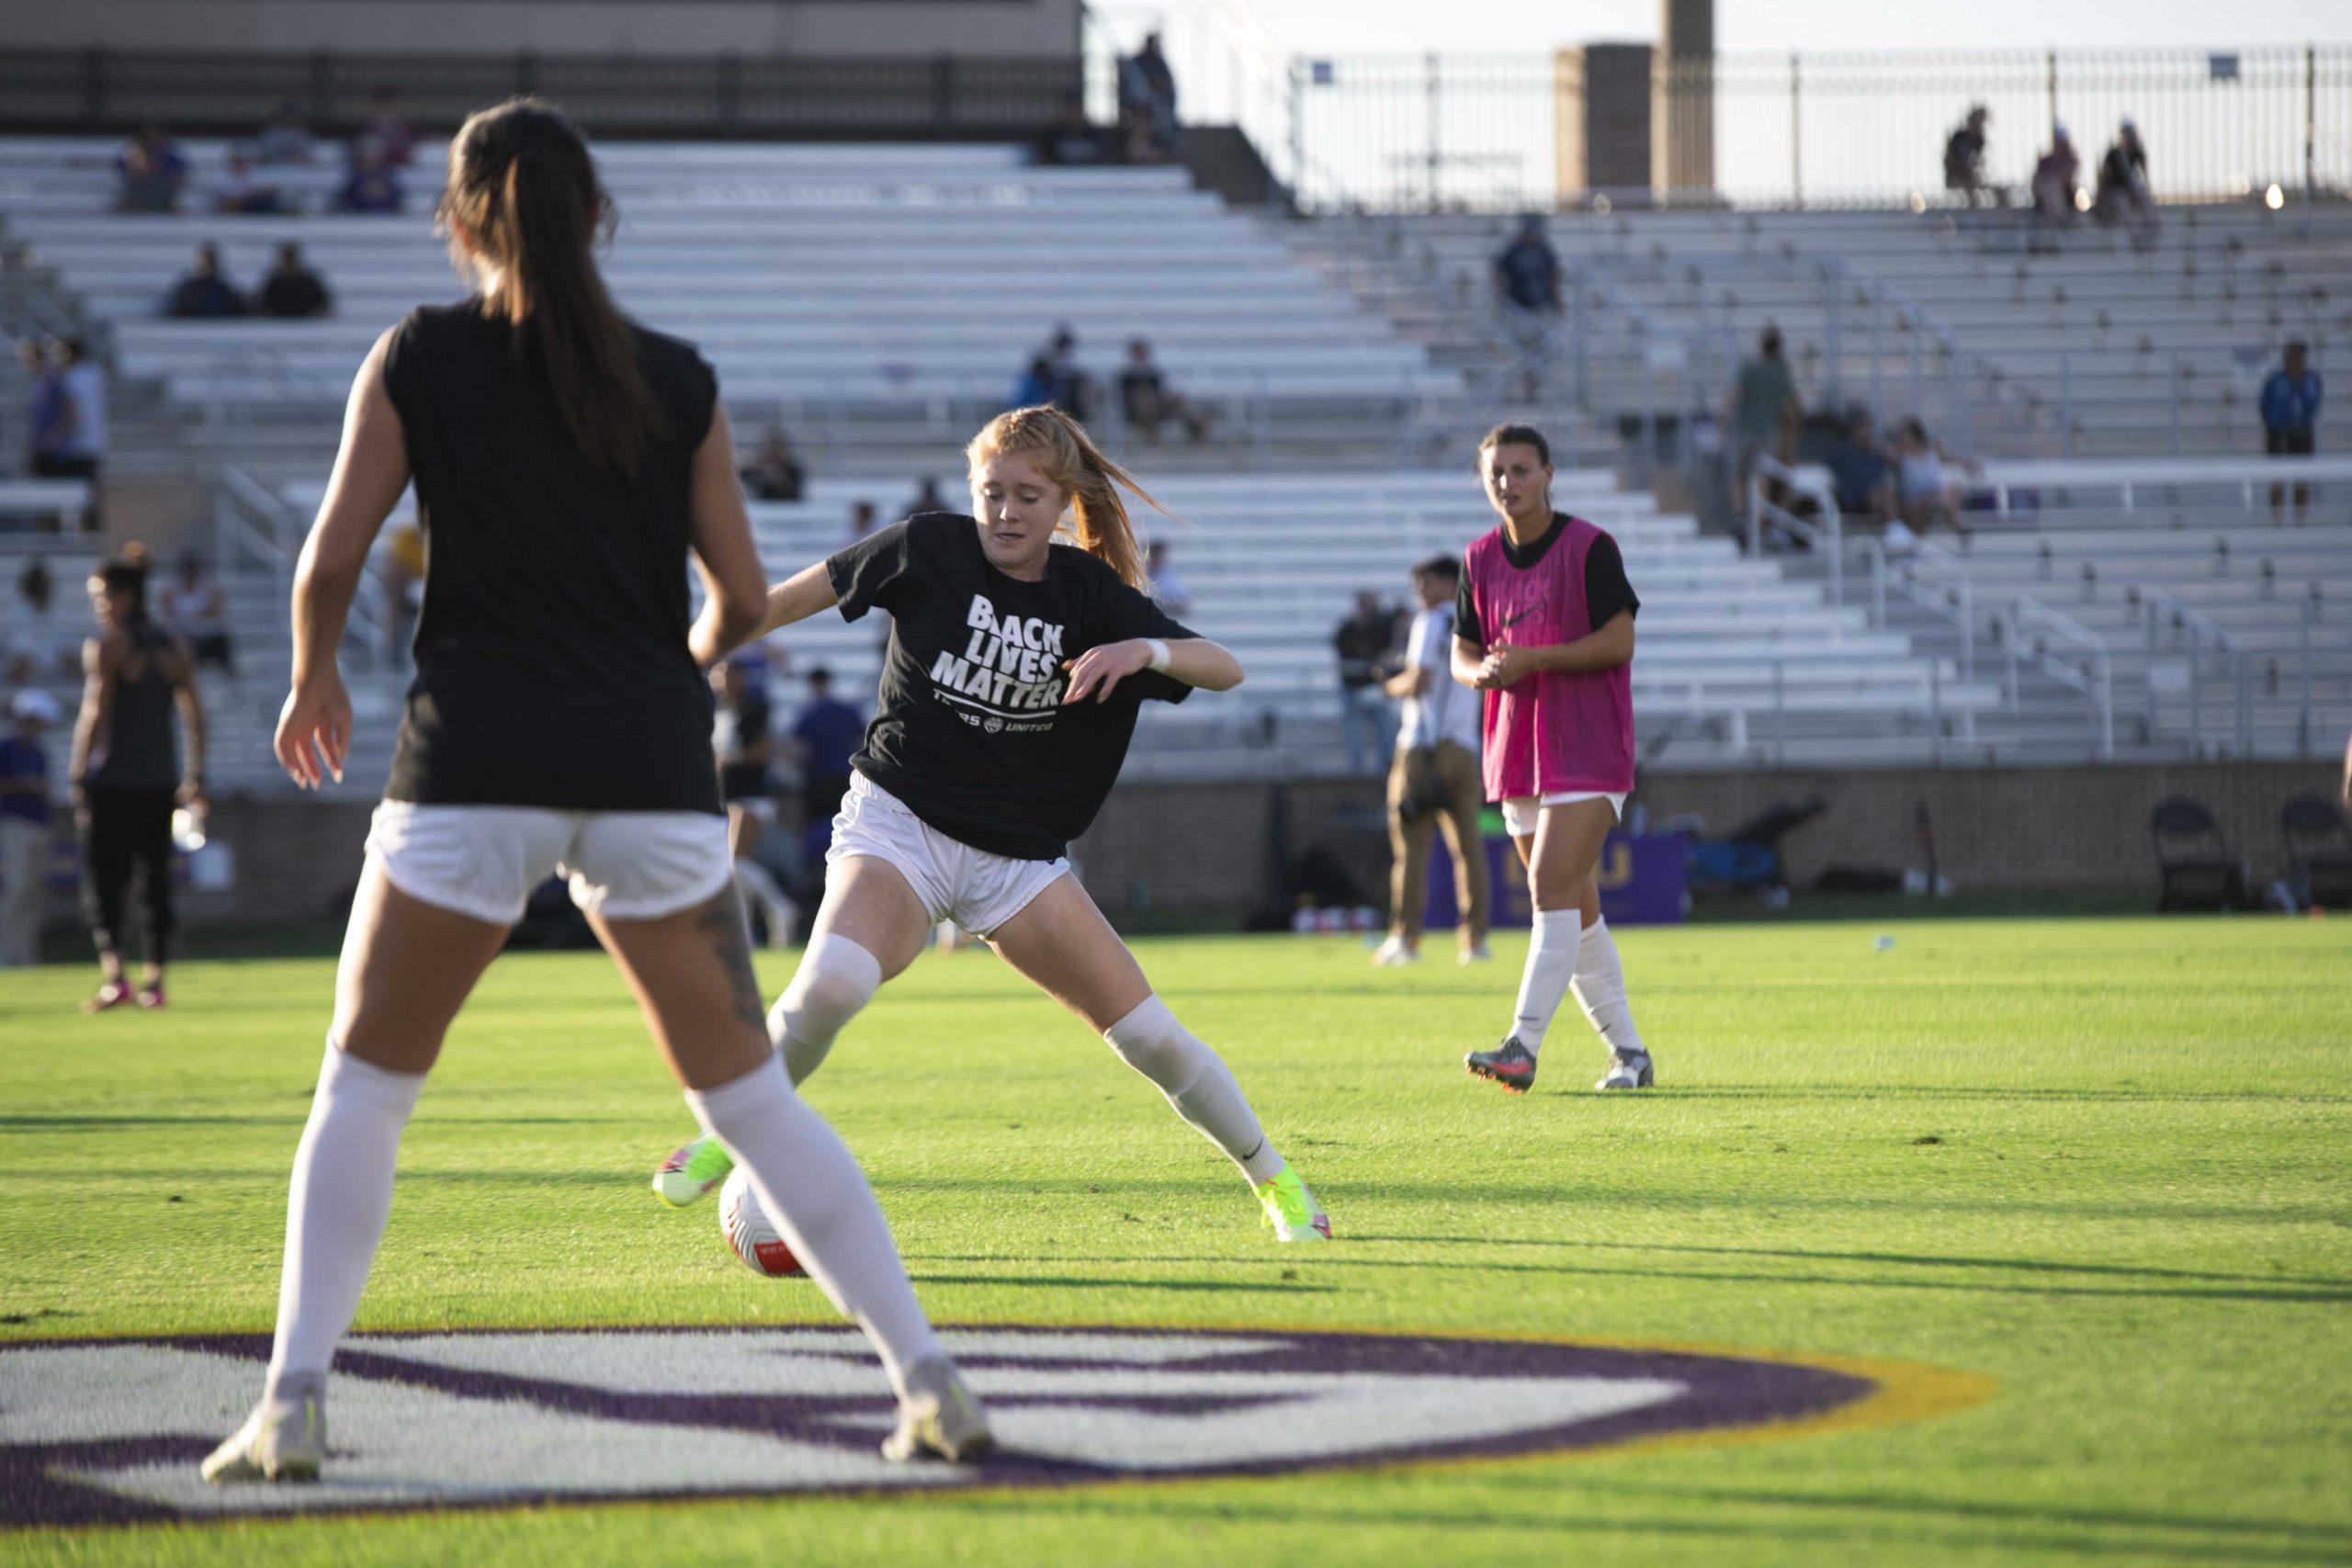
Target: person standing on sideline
point(1367, 720)
point(24, 829)
point(1434, 782)
point(1545, 625)
point(568, 464)
point(1764, 416)
point(745, 742)
point(126, 775)
point(196, 609)
point(2290, 422)
point(825, 735)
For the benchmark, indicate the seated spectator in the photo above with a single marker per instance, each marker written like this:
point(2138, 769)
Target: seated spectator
point(285, 140)
point(1071, 389)
point(387, 133)
point(204, 294)
point(1859, 468)
point(150, 173)
point(292, 291)
point(44, 642)
point(237, 192)
point(2123, 196)
point(2055, 179)
point(1167, 590)
point(1964, 162)
point(861, 520)
point(775, 474)
point(1071, 139)
point(196, 609)
point(1925, 494)
point(1035, 386)
point(373, 185)
point(1527, 271)
point(1148, 401)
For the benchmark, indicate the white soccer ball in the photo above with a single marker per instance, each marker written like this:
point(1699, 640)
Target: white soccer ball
point(750, 1233)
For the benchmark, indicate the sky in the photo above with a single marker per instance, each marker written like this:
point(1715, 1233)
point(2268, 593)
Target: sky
point(1777, 26)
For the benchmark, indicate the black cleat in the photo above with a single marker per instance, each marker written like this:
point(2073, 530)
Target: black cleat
point(1509, 1064)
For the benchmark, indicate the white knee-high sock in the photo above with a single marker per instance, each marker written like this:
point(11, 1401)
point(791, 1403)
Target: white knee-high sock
point(1599, 987)
point(1197, 1083)
point(341, 1194)
point(1551, 969)
point(836, 978)
point(810, 1183)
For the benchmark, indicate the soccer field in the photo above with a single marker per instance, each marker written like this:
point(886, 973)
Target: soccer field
point(2071, 1195)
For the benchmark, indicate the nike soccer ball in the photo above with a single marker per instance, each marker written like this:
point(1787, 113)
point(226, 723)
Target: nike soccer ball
point(750, 1233)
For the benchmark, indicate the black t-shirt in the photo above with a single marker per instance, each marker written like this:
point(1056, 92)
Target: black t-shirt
point(747, 780)
point(551, 660)
point(970, 730)
point(1606, 591)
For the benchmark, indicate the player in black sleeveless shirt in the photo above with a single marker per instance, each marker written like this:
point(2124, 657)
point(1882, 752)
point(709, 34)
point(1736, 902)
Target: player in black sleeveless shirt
point(567, 464)
point(126, 776)
point(1015, 671)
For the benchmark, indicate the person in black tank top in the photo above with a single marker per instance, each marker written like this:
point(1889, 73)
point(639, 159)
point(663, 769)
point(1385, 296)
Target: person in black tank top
point(567, 464)
point(126, 776)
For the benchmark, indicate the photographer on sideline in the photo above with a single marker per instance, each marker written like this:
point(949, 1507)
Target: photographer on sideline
point(1434, 781)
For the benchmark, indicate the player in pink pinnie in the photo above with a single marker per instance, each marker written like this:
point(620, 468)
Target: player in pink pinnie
point(1544, 624)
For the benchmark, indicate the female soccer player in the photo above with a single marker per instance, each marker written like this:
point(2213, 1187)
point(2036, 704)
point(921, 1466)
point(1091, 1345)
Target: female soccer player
point(566, 462)
point(1016, 670)
point(126, 771)
point(1545, 625)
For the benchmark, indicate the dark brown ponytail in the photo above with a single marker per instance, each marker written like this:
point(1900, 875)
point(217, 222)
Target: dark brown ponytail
point(524, 188)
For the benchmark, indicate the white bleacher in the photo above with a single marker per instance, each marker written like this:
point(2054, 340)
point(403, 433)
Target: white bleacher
point(833, 276)
point(48, 505)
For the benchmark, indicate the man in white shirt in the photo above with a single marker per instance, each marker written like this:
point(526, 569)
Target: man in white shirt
point(1434, 783)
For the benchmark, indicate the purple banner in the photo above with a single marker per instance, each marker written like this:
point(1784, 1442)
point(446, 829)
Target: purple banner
point(1641, 881)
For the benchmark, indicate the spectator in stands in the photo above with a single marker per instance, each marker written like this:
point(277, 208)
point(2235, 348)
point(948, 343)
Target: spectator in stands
point(292, 291)
point(44, 642)
point(24, 828)
point(387, 133)
point(926, 498)
point(196, 609)
point(372, 185)
point(285, 140)
point(1763, 414)
point(1167, 590)
point(1148, 401)
point(825, 734)
point(1527, 271)
point(1071, 138)
point(204, 295)
point(2123, 196)
point(44, 401)
point(1033, 386)
point(76, 441)
point(776, 474)
point(1859, 468)
point(2055, 180)
point(1367, 722)
point(1964, 162)
point(861, 520)
point(1147, 104)
point(1071, 390)
point(149, 172)
point(239, 193)
point(1925, 494)
point(2291, 421)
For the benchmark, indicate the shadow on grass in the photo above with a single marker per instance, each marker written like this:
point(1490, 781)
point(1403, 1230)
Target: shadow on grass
point(94, 1124)
point(1072, 1282)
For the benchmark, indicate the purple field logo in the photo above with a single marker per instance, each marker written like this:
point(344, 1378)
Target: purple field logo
point(100, 1431)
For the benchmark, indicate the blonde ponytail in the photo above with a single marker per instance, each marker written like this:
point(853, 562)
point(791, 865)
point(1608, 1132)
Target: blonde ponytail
point(1077, 468)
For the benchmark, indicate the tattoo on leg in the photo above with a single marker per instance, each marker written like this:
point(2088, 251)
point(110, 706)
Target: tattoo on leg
point(723, 922)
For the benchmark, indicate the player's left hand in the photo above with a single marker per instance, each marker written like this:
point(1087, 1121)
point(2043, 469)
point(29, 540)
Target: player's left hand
point(1098, 670)
point(1506, 667)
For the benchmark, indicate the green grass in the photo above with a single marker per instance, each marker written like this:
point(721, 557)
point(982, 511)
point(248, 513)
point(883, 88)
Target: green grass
point(2102, 1164)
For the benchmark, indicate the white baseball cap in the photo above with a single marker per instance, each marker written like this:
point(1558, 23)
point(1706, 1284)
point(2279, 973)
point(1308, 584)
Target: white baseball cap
point(35, 705)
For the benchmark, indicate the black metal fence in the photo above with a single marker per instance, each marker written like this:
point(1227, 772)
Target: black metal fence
point(951, 97)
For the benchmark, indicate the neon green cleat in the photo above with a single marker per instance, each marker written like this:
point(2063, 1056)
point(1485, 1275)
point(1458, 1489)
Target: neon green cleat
point(692, 1171)
point(1290, 1209)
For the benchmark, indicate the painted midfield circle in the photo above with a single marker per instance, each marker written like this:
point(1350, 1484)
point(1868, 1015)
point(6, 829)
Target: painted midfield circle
point(98, 1431)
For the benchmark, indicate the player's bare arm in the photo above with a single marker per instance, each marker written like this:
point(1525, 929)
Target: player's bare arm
point(1195, 660)
point(807, 593)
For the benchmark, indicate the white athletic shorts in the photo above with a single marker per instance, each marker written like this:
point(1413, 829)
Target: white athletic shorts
point(484, 861)
point(1522, 812)
point(976, 890)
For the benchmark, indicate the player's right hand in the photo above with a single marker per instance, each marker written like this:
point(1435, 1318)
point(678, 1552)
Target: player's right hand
point(314, 731)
